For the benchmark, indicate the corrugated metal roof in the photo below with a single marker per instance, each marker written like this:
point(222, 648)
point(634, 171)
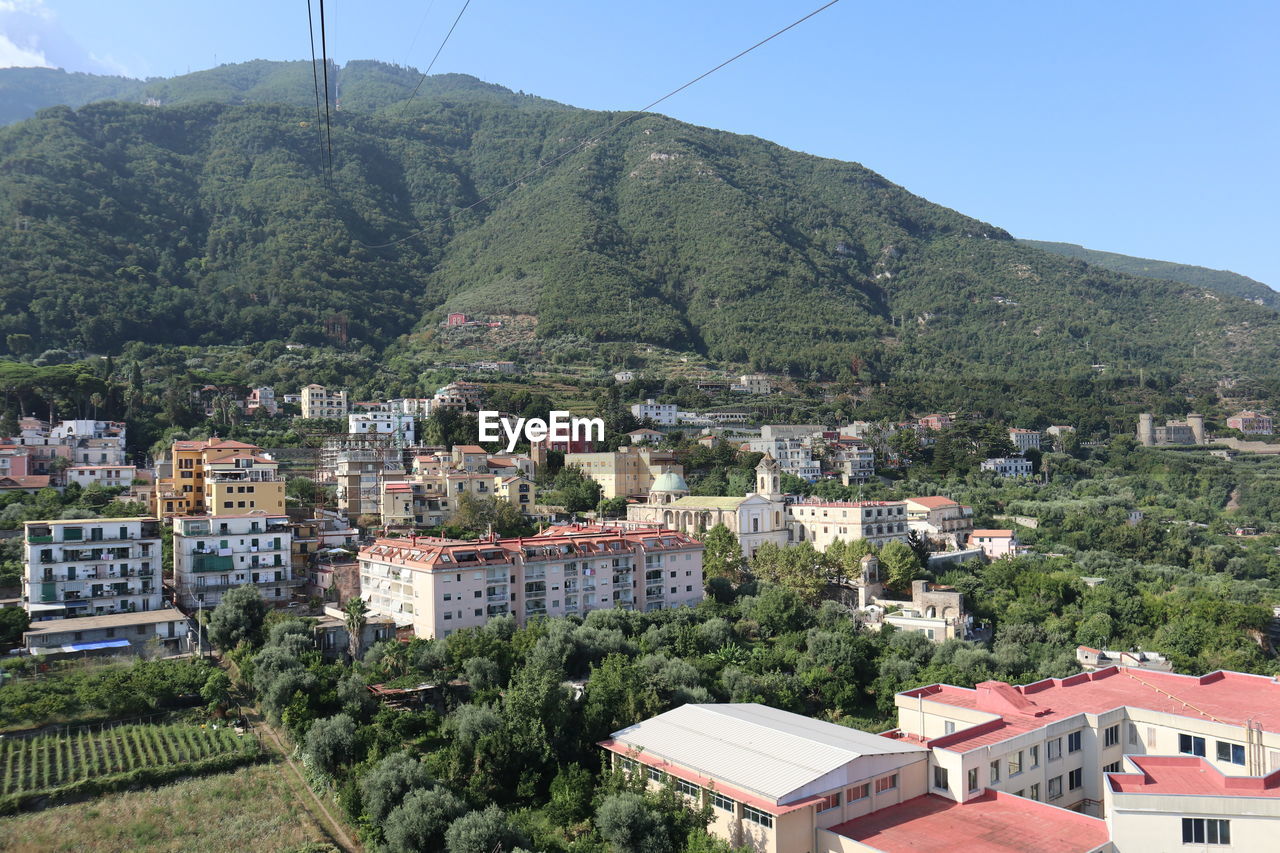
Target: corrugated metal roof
point(755, 747)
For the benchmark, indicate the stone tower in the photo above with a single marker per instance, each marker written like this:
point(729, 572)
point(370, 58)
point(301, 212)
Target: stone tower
point(1196, 422)
point(870, 587)
point(1146, 430)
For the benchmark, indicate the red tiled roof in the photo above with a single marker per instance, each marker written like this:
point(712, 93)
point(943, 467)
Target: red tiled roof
point(997, 822)
point(1225, 697)
point(1189, 775)
point(934, 502)
point(470, 448)
point(993, 534)
point(25, 481)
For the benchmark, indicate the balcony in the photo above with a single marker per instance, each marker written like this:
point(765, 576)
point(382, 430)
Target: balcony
point(40, 540)
point(653, 593)
point(498, 596)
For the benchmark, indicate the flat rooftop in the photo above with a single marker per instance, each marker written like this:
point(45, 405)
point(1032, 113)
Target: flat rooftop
point(111, 620)
point(996, 822)
point(1189, 775)
point(1224, 697)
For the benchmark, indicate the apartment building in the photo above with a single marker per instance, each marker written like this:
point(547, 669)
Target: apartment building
point(753, 383)
point(1011, 466)
point(91, 567)
point(823, 522)
point(779, 782)
point(441, 585)
point(1024, 439)
point(261, 400)
point(794, 454)
point(852, 461)
point(213, 554)
point(395, 425)
point(111, 476)
point(628, 471)
point(184, 492)
point(243, 483)
point(662, 414)
point(321, 402)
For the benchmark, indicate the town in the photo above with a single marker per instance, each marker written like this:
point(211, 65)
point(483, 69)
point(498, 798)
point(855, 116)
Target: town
point(366, 541)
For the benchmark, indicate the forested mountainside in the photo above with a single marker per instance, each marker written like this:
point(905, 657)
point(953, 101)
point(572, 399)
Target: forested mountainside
point(210, 221)
point(1223, 281)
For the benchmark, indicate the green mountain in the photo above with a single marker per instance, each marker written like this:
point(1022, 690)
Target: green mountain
point(1222, 281)
point(205, 221)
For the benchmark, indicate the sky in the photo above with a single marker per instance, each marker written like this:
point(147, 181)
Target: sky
point(1141, 127)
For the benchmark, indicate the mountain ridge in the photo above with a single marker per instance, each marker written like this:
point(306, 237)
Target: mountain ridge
point(211, 222)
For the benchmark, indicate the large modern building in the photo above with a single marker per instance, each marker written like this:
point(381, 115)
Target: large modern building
point(395, 425)
point(1114, 761)
point(662, 414)
point(441, 585)
point(185, 491)
point(793, 453)
point(91, 567)
point(213, 554)
point(321, 402)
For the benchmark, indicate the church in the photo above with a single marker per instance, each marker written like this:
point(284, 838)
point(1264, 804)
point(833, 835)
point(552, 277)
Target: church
point(755, 519)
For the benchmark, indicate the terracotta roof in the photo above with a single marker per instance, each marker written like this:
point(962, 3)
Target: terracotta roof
point(1224, 697)
point(933, 502)
point(993, 534)
point(25, 481)
point(1189, 775)
point(470, 448)
point(996, 822)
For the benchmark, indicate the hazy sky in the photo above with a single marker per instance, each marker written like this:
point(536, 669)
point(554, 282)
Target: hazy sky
point(1148, 128)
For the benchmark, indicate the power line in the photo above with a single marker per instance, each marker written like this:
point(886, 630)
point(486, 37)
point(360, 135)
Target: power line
point(315, 83)
point(431, 64)
point(546, 164)
point(324, 59)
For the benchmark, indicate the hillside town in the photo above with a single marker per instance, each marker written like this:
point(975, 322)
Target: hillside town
point(421, 542)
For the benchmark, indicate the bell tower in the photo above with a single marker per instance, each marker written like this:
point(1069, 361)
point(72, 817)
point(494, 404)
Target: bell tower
point(769, 478)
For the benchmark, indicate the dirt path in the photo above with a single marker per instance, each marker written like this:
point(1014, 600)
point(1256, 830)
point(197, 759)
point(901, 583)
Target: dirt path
point(268, 735)
point(1234, 501)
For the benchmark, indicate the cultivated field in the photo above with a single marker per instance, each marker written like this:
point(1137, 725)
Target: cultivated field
point(91, 761)
point(252, 808)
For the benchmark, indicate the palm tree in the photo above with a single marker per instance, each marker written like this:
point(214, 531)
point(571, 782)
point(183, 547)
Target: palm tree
point(356, 610)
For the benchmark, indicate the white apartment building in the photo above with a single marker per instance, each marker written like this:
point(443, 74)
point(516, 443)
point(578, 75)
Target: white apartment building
point(853, 461)
point(823, 522)
point(794, 454)
point(662, 414)
point(103, 475)
point(418, 407)
point(320, 402)
point(441, 585)
point(213, 554)
point(1012, 466)
point(1025, 439)
point(753, 383)
point(91, 567)
point(394, 424)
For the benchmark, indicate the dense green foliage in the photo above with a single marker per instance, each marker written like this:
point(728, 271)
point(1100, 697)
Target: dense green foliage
point(1222, 281)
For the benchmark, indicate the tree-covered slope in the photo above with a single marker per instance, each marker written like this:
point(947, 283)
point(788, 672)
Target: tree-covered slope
point(208, 222)
point(1222, 281)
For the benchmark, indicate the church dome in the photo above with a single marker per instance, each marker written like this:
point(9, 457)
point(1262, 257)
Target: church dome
point(669, 482)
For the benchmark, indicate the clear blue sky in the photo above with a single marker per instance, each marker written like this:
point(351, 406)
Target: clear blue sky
point(1148, 128)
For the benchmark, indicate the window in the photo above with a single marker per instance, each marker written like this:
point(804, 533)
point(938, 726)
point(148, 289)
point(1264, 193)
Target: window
point(1035, 791)
point(688, 788)
point(940, 777)
point(860, 792)
point(1133, 734)
point(1113, 767)
point(1034, 754)
point(1199, 830)
point(886, 783)
point(995, 771)
point(722, 802)
point(1073, 742)
point(829, 802)
point(1191, 745)
point(1111, 736)
point(654, 774)
point(1015, 763)
point(1055, 749)
point(757, 816)
point(1075, 779)
point(949, 727)
point(973, 779)
point(1055, 788)
point(1232, 752)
